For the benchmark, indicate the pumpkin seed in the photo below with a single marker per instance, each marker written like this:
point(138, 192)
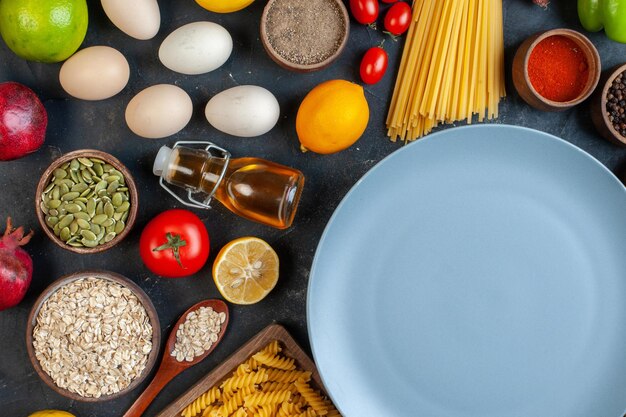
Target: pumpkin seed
point(70, 196)
point(48, 188)
point(119, 227)
point(99, 218)
point(118, 216)
point(123, 189)
point(56, 193)
point(85, 161)
point(89, 243)
point(101, 186)
point(109, 210)
point(108, 167)
point(109, 237)
point(74, 228)
point(65, 234)
point(123, 207)
point(56, 230)
point(82, 215)
point(95, 228)
point(54, 204)
point(112, 178)
point(51, 221)
point(125, 216)
point(64, 189)
point(80, 187)
point(88, 234)
point(65, 165)
point(67, 182)
point(76, 244)
point(81, 201)
point(59, 173)
point(108, 223)
point(83, 224)
point(113, 186)
point(73, 208)
point(43, 207)
point(66, 220)
point(53, 212)
point(117, 199)
point(97, 167)
point(76, 178)
point(91, 207)
point(86, 176)
point(93, 173)
point(74, 165)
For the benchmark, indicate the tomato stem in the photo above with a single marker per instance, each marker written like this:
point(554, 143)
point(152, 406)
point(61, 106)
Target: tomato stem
point(174, 242)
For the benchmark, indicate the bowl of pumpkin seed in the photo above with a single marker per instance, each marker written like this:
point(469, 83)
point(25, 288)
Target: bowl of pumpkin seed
point(86, 201)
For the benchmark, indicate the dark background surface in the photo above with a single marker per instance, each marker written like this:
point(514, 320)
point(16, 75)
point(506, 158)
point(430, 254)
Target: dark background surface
point(75, 124)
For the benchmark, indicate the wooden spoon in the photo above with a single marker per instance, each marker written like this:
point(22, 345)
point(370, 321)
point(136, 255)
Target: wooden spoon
point(170, 367)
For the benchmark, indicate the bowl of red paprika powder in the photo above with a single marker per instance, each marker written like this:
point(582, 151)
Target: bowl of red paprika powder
point(556, 70)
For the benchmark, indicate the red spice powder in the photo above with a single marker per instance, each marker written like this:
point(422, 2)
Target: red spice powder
point(558, 69)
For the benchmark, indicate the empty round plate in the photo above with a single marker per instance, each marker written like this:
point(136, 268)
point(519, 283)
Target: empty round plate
point(479, 272)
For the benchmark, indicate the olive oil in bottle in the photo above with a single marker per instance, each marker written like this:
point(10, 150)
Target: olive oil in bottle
point(254, 188)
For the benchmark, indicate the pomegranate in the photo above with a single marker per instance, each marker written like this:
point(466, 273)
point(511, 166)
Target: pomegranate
point(16, 266)
point(23, 121)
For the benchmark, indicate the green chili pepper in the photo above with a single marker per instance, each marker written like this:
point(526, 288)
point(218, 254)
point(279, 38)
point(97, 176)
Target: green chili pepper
point(608, 14)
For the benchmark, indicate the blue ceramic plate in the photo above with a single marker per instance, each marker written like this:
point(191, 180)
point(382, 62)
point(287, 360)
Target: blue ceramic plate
point(480, 272)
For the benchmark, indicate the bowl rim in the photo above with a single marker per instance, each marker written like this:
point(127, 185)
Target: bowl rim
point(581, 40)
point(111, 276)
point(275, 56)
point(603, 101)
point(108, 158)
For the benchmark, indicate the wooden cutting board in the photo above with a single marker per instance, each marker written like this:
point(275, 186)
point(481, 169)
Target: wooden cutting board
point(225, 369)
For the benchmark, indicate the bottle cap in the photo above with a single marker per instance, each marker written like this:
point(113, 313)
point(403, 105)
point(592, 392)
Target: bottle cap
point(161, 161)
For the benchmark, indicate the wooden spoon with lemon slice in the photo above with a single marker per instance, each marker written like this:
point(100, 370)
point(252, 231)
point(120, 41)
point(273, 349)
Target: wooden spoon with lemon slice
point(246, 270)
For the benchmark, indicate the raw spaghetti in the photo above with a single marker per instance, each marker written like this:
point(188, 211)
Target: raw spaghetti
point(452, 67)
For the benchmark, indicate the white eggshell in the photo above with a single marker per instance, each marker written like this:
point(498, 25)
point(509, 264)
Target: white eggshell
point(95, 73)
point(140, 19)
point(196, 48)
point(159, 111)
point(245, 111)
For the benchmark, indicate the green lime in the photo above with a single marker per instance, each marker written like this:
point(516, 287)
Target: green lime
point(43, 30)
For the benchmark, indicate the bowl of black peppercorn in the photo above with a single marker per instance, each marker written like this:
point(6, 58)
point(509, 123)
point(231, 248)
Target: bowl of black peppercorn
point(609, 107)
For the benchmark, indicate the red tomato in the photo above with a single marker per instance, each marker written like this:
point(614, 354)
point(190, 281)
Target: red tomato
point(398, 18)
point(374, 65)
point(364, 11)
point(174, 244)
point(389, 1)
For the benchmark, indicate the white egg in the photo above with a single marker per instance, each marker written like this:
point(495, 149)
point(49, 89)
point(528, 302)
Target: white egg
point(245, 111)
point(140, 19)
point(196, 48)
point(95, 73)
point(159, 111)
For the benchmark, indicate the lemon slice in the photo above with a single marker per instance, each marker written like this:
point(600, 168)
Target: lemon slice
point(246, 270)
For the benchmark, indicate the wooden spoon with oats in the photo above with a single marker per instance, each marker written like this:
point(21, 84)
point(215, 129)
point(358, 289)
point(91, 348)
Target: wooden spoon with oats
point(207, 321)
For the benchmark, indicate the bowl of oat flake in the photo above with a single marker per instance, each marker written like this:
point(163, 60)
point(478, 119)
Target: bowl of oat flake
point(93, 336)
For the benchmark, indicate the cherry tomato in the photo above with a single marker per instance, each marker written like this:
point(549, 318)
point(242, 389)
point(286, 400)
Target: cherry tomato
point(364, 11)
point(389, 1)
point(374, 65)
point(174, 244)
point(398, 18)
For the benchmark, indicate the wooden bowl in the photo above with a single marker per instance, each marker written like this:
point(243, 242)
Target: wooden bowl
point(599, 114)
point(136, 290)
point(525, 88)
point(293, 66)
point(130, 183)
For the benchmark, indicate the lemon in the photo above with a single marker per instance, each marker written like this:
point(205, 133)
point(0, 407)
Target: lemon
point(332, 117)
point(43, 30)
point(246, 270)
point(51, 413)
point(224, 6)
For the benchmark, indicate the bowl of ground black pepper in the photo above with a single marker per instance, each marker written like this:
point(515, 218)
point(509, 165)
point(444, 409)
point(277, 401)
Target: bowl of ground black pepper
point(608, 109)
point(304, 36)
point(556, 70)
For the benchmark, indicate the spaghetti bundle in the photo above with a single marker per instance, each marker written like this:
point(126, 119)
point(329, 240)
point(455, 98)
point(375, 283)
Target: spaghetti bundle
point(452, 66)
